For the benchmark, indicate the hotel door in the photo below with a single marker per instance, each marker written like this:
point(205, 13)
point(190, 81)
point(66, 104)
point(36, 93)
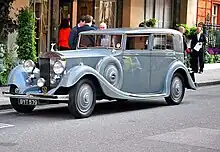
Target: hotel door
point(61, 9)
point(66, 10)
point(105, 11)
point(101, 10)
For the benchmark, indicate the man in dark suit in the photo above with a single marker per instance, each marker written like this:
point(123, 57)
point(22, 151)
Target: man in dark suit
point(73, 34)
point(93, 24)
point(87, 40)
point(85, 24)
point(197, 54)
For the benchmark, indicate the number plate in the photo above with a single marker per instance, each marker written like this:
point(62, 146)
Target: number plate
point(27, 102)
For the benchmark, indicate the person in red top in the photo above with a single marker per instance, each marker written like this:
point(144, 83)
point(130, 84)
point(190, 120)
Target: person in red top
point(64, 35)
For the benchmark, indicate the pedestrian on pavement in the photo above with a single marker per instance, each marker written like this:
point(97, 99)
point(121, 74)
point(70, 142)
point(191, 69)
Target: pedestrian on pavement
point(73, 34)
point(64, 33)
point(197, 49)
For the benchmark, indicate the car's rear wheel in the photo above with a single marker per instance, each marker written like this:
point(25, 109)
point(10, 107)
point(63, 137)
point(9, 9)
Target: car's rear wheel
point(16, 106)
point(82, 99)
point(177, 90)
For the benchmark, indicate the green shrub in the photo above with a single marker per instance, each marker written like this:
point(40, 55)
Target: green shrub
point(7, 25)
point(8, 63)
point(26, 35)
point(210, 58)
point(217, 58)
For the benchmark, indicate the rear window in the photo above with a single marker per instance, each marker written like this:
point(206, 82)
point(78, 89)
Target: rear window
point(163, 41)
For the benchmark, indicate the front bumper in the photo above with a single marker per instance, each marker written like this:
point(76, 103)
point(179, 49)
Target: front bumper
point(37, 96)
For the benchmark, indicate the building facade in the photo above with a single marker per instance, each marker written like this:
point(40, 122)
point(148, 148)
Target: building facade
point(208, 11)
point(116, 13)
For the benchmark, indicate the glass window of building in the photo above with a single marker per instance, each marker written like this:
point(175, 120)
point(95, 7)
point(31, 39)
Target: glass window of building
point(102, 11)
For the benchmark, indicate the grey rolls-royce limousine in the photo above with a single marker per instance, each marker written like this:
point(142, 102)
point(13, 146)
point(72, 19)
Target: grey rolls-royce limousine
point(115, 64)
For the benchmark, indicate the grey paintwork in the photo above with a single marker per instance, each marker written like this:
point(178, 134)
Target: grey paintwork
point(18, 77)
point(148, 75)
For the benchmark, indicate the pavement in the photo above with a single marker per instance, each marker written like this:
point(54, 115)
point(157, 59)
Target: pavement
point(152, 126)
point(210, 76)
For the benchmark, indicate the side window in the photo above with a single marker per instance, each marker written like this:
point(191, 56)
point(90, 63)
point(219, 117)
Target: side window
point(87, 41)
point(163, 42)
point(137, 42)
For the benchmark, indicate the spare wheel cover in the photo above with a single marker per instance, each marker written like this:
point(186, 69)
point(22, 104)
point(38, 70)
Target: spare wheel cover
point(110, 68)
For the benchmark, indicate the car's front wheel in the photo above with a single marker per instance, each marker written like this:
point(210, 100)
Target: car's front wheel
point(177, 90)
point(16, 106)
point(82, 99)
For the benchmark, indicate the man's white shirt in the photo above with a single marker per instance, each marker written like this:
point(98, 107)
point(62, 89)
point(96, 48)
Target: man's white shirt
point(198, 36)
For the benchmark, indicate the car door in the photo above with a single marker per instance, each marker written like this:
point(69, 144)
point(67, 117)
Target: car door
point(162, 55)
point(136, 64)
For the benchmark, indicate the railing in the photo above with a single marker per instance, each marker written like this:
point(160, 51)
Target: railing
point(212, 43)
point(213, 38)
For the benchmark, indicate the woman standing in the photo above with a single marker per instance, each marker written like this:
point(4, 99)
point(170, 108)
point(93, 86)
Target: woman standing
point(64, 35)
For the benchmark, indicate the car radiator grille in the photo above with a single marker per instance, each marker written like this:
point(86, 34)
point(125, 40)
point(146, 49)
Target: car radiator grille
point(44, 66)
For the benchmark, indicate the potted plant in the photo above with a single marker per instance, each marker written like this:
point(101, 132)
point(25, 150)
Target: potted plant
point(149, 23)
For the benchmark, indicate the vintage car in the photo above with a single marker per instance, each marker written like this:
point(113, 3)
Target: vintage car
point(115, 64)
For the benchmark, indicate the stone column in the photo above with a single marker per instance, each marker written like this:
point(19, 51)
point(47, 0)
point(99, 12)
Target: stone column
point(126, 19)
point(191, 12)
point(137, 12)
point(133, 13)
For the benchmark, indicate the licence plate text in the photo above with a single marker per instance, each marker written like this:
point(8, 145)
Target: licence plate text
point(28, 102)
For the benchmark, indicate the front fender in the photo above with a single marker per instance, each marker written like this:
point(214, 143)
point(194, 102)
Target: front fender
point(174, 67)
point(77, 72)
point(18, 77)
point(74, 75)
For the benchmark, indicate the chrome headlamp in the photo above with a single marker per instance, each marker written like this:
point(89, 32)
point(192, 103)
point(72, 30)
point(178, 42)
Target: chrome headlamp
point(59, 67)
point(29, 66)
point(41, 82)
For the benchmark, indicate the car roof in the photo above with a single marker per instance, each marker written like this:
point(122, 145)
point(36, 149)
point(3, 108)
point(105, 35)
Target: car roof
point(139, 30)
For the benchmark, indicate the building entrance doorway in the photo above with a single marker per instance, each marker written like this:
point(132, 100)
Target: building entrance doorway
point(101, 10)
point(66, 10)
point(60, 9)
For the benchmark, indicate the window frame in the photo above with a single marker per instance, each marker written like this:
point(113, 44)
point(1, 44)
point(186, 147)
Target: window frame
point(215, 13)
point(138, 35)
point(98, 34)
point(163, 34)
